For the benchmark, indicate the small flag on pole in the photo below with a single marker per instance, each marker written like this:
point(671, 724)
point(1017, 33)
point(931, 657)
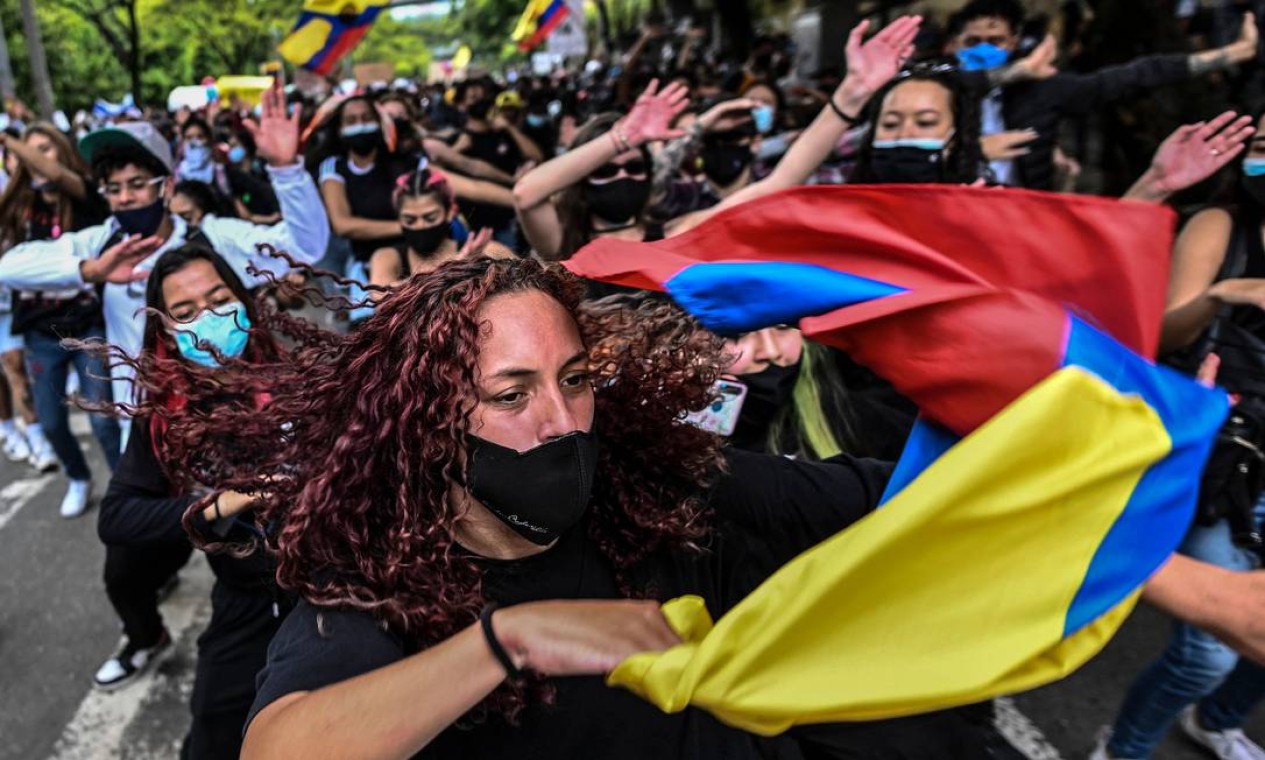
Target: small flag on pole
point(327, 30)
point(538, 21)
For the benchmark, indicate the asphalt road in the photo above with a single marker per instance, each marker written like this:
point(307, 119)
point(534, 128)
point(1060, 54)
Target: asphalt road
point(56, 628)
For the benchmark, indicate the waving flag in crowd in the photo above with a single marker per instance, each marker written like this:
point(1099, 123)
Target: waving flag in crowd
point(327, 30)
point(539, 19)
point(1055, 466)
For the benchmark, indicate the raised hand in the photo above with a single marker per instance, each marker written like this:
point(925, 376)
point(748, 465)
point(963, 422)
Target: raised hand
point(1197, 151)
point(1245, 47)
point(1039, 64)
point(118, 262)
point(717, 112)
point(475, 244)
point(276, 133)
point(1003, 146)
point(874, 62)
point(652, 115)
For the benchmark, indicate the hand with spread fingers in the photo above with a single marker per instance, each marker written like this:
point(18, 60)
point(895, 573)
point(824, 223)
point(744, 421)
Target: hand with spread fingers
point(276, 133)
point(1192, 154)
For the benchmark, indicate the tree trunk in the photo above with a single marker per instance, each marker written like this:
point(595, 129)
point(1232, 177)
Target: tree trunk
point(39, 64)
point(7, 89)
point(134, 61)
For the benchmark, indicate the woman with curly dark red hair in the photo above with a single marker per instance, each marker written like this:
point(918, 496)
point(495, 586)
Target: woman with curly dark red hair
point(446, 456)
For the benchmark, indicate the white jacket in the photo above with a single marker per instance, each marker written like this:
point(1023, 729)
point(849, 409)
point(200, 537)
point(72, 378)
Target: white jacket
point(54, 264)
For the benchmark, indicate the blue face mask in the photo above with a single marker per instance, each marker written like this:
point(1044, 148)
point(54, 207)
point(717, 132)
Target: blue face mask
point(226, 329)
point(237, 154)
point(197, 154)
point(763, 117)
point(982, 57)
point(921, 143)
point(537, 120)
point(1253, 167)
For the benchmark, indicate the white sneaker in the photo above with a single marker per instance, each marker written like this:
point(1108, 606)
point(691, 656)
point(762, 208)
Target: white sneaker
point(76, 501)
point(1100, 748)
point(15, 446)
point(42, 456)
point(1230, 744)
point(129, 664)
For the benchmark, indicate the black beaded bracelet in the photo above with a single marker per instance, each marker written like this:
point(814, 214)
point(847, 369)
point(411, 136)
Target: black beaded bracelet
point(498, 651)
point(850, 120)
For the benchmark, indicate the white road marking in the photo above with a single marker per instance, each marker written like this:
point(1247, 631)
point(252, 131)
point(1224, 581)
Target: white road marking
point(97, 730)
point(1022, 733)
point(18, 494)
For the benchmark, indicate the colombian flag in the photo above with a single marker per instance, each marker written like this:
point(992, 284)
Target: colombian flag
point(327, 30)
point(1054, 469)
point(538, 21)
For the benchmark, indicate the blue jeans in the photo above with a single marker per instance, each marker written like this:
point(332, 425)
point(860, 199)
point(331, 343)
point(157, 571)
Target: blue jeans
point(1194, 668)
point(48, 364)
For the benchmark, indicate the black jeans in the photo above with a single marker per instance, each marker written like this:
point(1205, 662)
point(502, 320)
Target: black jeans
point(231, 652)
point(133, 575)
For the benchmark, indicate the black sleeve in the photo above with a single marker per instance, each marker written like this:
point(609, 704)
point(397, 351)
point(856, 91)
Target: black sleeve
point(317, 647)
point(792, 505)
point(1082, 93)
point(138, 507)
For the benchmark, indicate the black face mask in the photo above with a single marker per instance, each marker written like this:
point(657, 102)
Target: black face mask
point(619, 200)
point(143, 221)
point(426, 240)
point(723, 162)
point(539, 493)
point(362, 144)
point(768, 392)
point(479, 109)
point(1255, 187)
point(906, 165)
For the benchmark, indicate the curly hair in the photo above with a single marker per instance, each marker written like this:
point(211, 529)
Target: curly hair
point(361, 439)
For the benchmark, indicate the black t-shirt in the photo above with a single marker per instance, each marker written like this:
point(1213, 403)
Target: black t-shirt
point(370, 193)
point(498, 149)
point(255, 192)
point(768, 510)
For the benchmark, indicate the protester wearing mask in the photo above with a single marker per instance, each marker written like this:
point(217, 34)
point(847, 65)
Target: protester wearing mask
point(1218, 278)
point(428, 215)
point(48, 198)
point(206, 316)
point(797, 403)
point(984, 36)
point(492, 137)
point(401, 114)
point(197, 156)
point(554, 492)
point(538, 123)
point(133, 165)
point(924, 132)
point(557, 232)
point(253, 198)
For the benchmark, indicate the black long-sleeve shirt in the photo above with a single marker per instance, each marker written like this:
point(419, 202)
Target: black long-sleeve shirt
point(142, 507)
point(1042, 104)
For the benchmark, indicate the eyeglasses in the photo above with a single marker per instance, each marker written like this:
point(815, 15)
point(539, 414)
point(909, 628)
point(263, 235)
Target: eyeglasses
point(635, 168)
point(135, 184)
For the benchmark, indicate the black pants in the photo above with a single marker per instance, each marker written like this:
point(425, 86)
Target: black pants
point(133, 575)
point(231, 652)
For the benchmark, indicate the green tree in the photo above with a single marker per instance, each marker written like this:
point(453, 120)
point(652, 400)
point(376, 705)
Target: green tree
point(400, 42)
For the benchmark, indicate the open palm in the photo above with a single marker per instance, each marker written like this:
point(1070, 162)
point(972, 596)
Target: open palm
point(276, 133)
point(874, 62)
point(1197, 151)
point(652, 115)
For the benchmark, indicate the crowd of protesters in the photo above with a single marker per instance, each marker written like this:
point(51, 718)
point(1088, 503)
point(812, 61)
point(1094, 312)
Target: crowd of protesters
point(365, 484)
